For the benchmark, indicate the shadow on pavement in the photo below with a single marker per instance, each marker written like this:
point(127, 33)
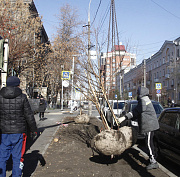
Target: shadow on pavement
point(31, 161)
point(103, 159)
point(133, 158)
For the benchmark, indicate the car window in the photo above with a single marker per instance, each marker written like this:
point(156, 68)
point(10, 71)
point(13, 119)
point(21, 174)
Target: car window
point(120, 105)
point(133, 106)
point(177, 126)
point(158, 108)
point(169, 119)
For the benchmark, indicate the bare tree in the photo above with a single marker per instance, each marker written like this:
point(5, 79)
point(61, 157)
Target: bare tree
point(22, 27)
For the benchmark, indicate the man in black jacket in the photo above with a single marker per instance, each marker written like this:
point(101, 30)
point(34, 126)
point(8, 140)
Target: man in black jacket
point(147, 121)
point(15, 116)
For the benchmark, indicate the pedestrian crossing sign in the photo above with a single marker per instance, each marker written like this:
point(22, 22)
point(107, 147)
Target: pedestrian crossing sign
point(158, 86)
point(66, 75)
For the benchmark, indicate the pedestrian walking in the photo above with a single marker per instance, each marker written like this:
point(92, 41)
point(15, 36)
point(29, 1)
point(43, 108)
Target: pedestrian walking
point(15, 116)
point(169, 102)
point(148, 122)
point(42, 108)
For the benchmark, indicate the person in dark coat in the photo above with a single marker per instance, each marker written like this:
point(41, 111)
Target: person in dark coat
point(15, 116)
point(147, 121)
point(42, 108)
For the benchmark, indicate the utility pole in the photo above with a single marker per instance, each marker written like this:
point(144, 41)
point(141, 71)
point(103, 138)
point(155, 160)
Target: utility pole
point(5, 66)
point(144, 72)
point(89, 46)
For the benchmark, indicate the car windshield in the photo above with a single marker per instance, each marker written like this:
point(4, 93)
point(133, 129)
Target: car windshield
point(120, 105)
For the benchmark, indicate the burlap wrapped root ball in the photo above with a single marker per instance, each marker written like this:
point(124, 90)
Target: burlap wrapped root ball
point(82, 119)
point(114, 142)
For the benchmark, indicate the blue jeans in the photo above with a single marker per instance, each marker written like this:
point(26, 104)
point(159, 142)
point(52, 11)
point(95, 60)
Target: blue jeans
point(14, 144)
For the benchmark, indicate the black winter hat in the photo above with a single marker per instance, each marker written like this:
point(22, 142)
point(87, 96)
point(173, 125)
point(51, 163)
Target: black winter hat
point(13, 81)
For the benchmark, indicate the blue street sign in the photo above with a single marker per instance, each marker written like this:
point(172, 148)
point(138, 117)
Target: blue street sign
point(130, 94)
point(158, 91)
point(158, 86)
point(115, 96)
point(66, 75)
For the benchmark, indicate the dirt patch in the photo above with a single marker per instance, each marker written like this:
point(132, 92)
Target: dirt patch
point(72, 156)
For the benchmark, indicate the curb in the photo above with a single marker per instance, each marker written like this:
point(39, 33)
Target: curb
point(160, 166)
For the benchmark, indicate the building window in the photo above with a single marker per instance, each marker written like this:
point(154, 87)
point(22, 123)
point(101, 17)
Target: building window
point(154, 75)
point(172, 83)
point(163, 83)
point(163, 60)
point(168, 84)
point(177, 52)
point(163, 72)
point(157, 75)
point(157, 64)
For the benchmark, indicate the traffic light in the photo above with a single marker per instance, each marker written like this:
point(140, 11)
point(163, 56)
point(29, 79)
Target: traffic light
point(1, 53)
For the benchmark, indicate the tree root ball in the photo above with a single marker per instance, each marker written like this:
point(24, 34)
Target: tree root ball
point(82, 119)
point(114, 142)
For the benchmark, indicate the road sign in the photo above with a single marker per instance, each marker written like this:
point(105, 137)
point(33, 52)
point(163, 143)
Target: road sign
point(158, 91)
point(115, 96)
point(130, 94)
point(66, 75)
point(158, 86)
point(65, 83)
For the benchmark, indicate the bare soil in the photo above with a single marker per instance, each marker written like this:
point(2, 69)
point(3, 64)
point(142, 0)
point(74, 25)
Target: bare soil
point(71, 156)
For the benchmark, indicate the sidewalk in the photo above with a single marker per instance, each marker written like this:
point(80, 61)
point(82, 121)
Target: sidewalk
point(71, 156)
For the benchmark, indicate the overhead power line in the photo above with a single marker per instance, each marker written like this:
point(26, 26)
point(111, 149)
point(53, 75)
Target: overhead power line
point(166, 10)
point(96, 12)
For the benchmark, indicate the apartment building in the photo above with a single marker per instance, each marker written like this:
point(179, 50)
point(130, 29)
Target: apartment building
point(163, 68)
point(113, 64)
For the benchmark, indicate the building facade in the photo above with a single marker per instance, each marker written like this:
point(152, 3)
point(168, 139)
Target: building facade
point(161, 68)
point(113, 64)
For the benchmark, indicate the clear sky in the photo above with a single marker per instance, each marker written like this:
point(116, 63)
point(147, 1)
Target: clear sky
point(142, 24)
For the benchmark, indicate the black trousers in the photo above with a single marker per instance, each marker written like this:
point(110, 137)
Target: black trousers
point(41, 114)
point(150, 146)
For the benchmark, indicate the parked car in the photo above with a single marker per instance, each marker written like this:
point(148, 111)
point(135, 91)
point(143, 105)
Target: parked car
point(75, 104)
point(117, 106)
point(131, 104)
point(85, 104)
point(167, 138)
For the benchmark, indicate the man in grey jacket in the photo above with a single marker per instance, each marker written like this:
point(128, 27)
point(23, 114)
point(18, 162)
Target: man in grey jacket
point(147, 121)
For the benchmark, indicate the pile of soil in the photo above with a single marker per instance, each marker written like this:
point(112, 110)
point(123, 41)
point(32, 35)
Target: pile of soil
point(71, 156)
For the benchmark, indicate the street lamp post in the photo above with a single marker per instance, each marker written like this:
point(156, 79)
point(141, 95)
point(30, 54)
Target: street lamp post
point(72, 89)
point(62, 66)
